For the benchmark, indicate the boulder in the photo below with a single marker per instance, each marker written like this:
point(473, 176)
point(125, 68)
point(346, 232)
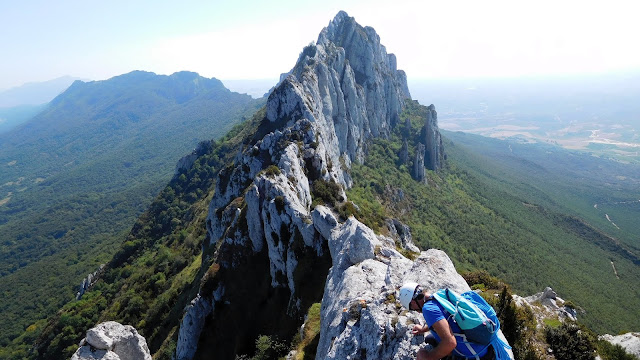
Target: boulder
point(112, 341)
point(629, 341)
point(547, 304)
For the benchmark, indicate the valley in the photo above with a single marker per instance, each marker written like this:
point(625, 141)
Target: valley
point(596, 114)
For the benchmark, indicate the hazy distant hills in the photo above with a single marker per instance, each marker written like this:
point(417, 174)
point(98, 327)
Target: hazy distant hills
point(605, 193)
point(14, 116)
point(77, 175)
point(21, 103)
point(596, 113)
point(35, 93)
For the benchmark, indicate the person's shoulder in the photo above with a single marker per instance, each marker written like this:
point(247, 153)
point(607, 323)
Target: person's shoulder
point(432, 312)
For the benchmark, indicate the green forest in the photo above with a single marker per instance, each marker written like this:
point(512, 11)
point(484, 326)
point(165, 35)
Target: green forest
point(153, 274)
point(80, 173)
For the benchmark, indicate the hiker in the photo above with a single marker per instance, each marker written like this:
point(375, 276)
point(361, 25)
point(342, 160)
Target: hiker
point(446, 338)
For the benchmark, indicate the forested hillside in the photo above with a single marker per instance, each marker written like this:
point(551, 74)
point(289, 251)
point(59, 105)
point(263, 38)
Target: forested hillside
point(513, 220)
point(75, 178)
point(154, 272)
point(13, 116)
point(603, 191)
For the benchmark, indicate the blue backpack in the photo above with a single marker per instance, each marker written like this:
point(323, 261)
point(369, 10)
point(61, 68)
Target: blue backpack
point(476, 318)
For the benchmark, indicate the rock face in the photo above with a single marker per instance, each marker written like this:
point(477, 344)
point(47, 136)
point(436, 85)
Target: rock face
point(88, 281)
point(186, 162)
point(112, 341)
point(360, 316)
point(432, 140)
point(629, 341)
point(192, 324)
point(547, 304)
point(270, 241)
point(403, 233)
point(418, 164)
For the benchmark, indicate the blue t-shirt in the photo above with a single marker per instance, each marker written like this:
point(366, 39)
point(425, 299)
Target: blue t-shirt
point(434, 312)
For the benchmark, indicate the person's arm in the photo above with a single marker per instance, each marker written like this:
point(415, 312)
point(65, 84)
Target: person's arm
point(447, 341)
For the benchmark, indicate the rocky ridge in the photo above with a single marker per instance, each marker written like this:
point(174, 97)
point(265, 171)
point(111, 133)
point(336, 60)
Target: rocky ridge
point(547, 304)
point(361, 318)
point(342, 92)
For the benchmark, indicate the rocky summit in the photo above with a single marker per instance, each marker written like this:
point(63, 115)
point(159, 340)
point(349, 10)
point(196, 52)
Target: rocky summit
point(273, 248)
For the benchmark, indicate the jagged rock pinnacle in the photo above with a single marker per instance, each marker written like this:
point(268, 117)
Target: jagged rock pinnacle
point(343, 91)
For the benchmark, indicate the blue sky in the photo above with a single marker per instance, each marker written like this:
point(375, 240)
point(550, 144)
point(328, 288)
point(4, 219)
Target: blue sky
point(42, 40)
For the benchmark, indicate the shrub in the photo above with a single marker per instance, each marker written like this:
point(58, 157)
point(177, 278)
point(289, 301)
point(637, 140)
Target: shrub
point(267, 348)
point(346, 210)
point(482, 279)
point(306, 348)
point(272, 170)
point(518, 324)
point(609, 351)
point(570, 305)
point(570, 342)
point(327, 191)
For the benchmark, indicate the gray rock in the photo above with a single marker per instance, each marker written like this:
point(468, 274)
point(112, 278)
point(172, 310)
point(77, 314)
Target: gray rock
point(191, 326)
point(404, 153)
point(629, 341)
point(360, 317)
point(403, 233)
point(548, 293)
point(547, 304)
point(111, 341)
point(89, 281)
point(87, 353)
point(359, 314)
point(433, 141)
point(186, 162)
point(418, 163)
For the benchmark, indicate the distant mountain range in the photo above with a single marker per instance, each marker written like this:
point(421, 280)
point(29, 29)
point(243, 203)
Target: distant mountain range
point(21, 103)
point(35, 93)
point(77, 175)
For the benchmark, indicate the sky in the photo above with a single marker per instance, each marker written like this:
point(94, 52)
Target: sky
point(41, 39)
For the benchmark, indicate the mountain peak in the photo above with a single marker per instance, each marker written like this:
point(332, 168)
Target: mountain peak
point(264, 217)
point(348, 85)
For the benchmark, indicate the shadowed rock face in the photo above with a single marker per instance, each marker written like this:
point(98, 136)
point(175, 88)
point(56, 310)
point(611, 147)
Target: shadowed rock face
point(273, 248)
point(432, 140)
